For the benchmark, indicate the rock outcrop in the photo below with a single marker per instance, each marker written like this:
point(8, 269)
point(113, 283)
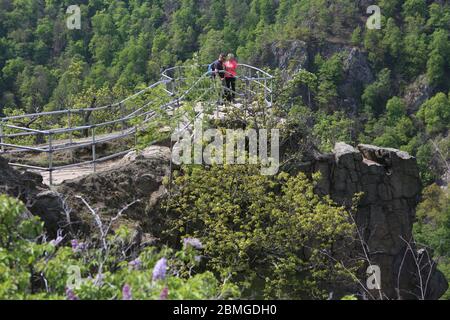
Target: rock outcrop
point(357, 75)
point(132, 186)
point(291, 56)
point(417, 93)
point(134, 183)
point(39, 200)
point(391, 187)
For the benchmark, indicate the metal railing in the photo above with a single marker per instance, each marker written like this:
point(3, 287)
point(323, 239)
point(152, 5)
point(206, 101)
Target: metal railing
point(89, 128)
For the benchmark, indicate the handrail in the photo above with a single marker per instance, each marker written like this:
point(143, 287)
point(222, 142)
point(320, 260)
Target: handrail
point(266, 74)
point(145, 112)
point(67, 111)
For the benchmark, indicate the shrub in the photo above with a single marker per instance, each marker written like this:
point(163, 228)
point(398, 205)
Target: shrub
point(273, 236)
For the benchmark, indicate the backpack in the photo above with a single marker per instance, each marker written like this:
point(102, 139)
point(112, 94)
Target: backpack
point(210, 69)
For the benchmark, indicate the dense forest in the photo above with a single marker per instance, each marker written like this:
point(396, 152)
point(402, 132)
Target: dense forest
point(337, 80)
point(124, 44)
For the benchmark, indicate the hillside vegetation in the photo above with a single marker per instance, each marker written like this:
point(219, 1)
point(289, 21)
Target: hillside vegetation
point(337, 80)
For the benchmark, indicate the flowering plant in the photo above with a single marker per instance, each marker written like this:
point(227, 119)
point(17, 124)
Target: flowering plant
point(77, 270)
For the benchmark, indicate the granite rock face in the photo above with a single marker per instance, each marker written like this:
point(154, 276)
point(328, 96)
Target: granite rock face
point(39, 200)
point(289, 55)
point(391, 186)
point(134, 185)
point(417, 93)
point(136, 179)
point(357, 75)
point(292, 56)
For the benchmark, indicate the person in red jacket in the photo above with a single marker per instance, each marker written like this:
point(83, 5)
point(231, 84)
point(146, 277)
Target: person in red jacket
point(231, 66)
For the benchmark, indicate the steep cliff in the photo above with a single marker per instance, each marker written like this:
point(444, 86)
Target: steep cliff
point(390, 183)
point(292, 56)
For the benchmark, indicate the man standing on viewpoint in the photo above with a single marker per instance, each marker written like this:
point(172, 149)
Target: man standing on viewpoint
point(218, 67)
point(231, 66)
point(218, 71)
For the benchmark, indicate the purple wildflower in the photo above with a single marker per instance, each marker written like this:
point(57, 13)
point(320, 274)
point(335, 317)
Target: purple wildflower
point(126, 293)
point(57, 241)
point(98, 281)
point(159, 271)
point(71, 295)
point(77, 246)
point(164, 294)
point(74, 243)
point(193, 242)
point(135, 264)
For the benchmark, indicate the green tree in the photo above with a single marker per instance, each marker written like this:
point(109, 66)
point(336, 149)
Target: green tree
point(12, 68)
point(439, 16)
point(26, 258)
point(376, 94)
point(396, 109)
point(330, 129)
point(356, 38)
point(35, 86)
point(18, 250)
point(392, 41)
point(69, 84)
point(414, 8)
point(435, 113)
point(438, 61)
point(255, 228)
point(432, 228)
point(415, 51)
point(105, 41)
point(212, 44)
point(329, 74)
point(389, 7)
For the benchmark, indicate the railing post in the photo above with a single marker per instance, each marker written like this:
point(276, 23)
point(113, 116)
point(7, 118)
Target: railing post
point(247, 88)
point(122, 115)
point(271, 93)
point(70, 134)
point(174, 87)
point(70, 126)
point(2, 140)
point(265, 90)
point(249, 85)
point(94, 156)
point(50, 158)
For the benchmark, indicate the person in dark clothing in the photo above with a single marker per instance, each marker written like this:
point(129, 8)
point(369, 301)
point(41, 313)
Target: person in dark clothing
point(218, 72)
point(218, 67)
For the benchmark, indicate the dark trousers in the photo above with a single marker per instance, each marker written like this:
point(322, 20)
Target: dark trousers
point(230, 83)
